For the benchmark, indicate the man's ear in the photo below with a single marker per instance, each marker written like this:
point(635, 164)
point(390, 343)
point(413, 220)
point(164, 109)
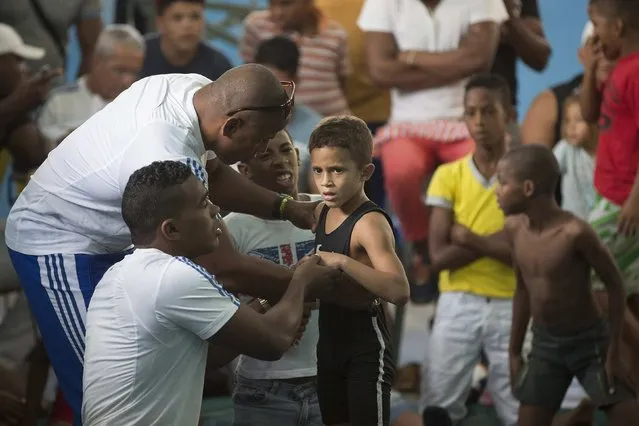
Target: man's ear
point(529, 188)
point(231, 126)
point(368, 170)
point(169, 230)
point(244, 169)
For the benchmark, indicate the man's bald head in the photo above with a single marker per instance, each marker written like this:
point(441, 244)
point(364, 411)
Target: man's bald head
point(240, 112)
point(246, 86)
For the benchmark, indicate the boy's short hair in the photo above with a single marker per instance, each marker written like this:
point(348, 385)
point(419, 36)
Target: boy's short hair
point(494, 83)
point(626, 10)
point(161, 5)
point(347, 132)
point(536, 163)
point(279, 52)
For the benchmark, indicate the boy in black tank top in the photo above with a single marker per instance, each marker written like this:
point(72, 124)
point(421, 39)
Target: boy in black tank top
point(355, 368)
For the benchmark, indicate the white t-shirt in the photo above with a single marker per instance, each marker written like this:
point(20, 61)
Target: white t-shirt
point(416, 28)
point(67, 108)
point(282, 243)
point(146, 347)
point(72, 203)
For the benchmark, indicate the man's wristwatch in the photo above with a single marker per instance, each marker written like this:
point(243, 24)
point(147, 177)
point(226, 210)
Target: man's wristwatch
point(280, 204)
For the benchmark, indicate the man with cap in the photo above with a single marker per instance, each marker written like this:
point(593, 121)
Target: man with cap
point(19, 95)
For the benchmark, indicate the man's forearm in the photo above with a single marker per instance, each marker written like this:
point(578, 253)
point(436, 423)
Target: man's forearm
point(532, 48)
point(392, 73)
point(590, 96)
point(452, 257)
point(233, 192)
point(494, 246)
point(447, 67)
point(249, 275)
point(521, 317)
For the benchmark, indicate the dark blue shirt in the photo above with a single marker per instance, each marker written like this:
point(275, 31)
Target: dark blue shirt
point(207, 61)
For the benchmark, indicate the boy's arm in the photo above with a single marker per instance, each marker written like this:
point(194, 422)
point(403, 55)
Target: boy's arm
point(386, 278)
point(444, 255)
point(495, 245)
point(604, 265)
point(590, 96)
point(521, 316)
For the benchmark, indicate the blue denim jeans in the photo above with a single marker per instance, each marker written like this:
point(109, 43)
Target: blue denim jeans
point(275, 402)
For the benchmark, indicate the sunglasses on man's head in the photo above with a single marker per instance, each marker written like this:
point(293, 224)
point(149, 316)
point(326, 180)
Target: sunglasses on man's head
point(286, 107)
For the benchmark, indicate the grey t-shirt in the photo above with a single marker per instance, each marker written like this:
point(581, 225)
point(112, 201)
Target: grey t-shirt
point(577, 167)
point(62, 14)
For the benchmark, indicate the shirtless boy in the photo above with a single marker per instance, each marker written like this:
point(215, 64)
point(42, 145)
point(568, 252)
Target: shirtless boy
point(554, 252)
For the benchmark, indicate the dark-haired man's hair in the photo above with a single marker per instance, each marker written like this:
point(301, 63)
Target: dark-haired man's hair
point(161, 5)
point(626, 10)
point(347, 132)
point(494, 83)
point(151, 196)
point(279, 52)
point(536, 163)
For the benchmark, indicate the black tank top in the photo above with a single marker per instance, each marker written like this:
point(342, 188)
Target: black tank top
point(339, 324)
point(339, 241)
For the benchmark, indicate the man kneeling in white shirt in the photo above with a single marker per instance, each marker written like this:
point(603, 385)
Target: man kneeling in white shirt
point(154, 314)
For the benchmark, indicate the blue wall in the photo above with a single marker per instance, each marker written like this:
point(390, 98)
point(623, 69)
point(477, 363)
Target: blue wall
point(563, 21)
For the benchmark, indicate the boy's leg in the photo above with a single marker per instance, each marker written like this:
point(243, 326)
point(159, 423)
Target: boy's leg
point(588, 360)
point(407, 164)
point(271, 402)
point(453, 352)
point(543, 381)
point(496, 335)
point(332, 392)
point(371, 372)
point(623, 413)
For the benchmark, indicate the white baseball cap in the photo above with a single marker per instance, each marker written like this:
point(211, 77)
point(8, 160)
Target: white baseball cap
point(589, 31)
point(11, 42)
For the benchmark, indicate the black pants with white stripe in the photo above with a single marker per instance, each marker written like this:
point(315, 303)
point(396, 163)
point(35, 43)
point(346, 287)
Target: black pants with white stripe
point(355, 367)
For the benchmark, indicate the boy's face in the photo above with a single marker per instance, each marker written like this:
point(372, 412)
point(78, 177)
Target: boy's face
point(337, 176)
point(485, 116)
point(608, 30)
point(277, 168)
point(196, 229)
point(510, 192)
point(290, 14)
point(182, 25)
point(575, 128)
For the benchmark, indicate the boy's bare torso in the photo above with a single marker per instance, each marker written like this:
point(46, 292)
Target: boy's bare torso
point(555, 273)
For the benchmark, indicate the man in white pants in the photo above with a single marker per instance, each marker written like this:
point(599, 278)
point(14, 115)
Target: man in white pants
point(66, 228)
